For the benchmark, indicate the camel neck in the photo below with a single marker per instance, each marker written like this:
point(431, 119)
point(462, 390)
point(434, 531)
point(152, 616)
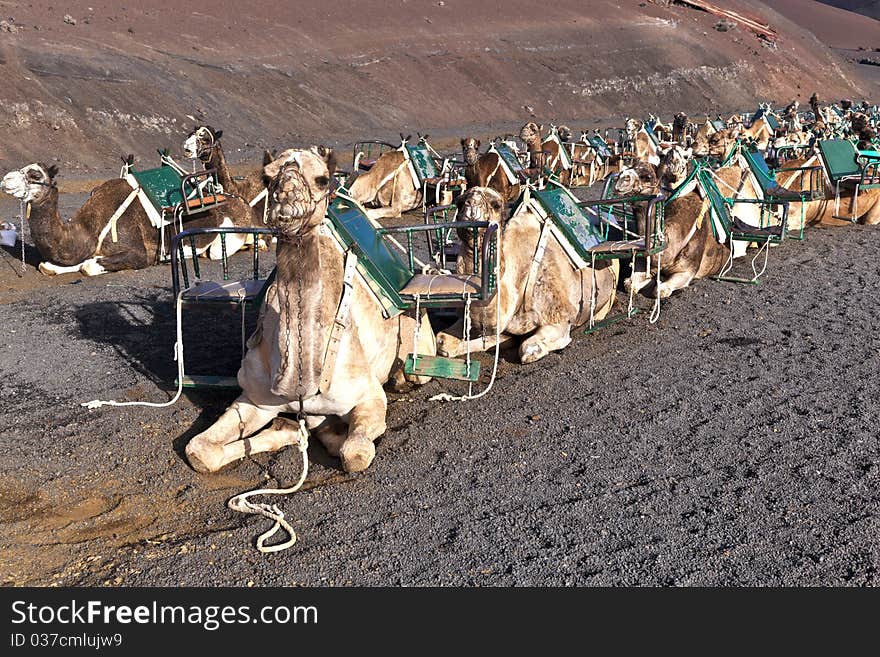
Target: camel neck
point(301, 299)
point(48, 229)
point(218, 162)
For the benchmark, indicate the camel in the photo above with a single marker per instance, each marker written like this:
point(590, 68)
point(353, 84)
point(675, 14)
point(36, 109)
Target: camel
point(664, 132)
point(640, 142)
point(486, 170)
point(692, 252)
point(543, 301)
point(716, 144)
point(679, 128)
point(289, 366)
point(91, 242)
point(204, 143)
point(390, 187)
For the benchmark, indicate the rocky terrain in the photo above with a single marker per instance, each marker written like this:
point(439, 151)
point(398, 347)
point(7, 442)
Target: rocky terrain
point(85, 82)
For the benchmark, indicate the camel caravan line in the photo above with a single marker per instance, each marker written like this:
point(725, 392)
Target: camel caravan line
point(505, 246)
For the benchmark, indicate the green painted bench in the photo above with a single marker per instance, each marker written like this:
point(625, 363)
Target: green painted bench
point(846, 166)
point(171, 191)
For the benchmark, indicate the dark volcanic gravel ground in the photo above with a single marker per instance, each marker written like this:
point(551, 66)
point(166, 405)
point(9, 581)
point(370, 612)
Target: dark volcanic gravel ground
point(735, 442)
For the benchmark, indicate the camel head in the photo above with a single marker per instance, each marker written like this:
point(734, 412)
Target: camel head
point(31, 183)
point(201, 141)
point(477, 204)
point(679, 127)
point(565, 133)
point(859, 122)
point(530, 133)
point(299, 189)
point(718, 144)
point(632, 127)
point(470, 148)
point(638, 180)
point(673, 167)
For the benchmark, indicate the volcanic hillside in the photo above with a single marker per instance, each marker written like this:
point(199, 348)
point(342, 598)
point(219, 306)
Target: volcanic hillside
point(85, 82)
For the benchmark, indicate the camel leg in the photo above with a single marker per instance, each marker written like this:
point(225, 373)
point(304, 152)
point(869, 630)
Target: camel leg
point(383, 213)
point(551, 337)
point(49, 269)
point(675, 282)
point(282, 433)
point(451, 346)
point(332, 433)
point(366, 422)
point(233, 242)
point(207, 452)
point(134, 259)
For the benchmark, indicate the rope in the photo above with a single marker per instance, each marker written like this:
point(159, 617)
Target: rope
point(655, 311)
point(25, 212)
point(418, 330)
point(241, 296)
point(178, 356)
point(447, 397)
point(241, 503)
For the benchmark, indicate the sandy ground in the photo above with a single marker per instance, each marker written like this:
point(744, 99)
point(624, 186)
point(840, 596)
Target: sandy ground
point(734, 442)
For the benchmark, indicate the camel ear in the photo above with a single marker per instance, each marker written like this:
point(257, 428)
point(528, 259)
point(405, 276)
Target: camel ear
point(478, 144)
point(462, 142)
point(267, 157)
point(52, 171)
point(218, 134)
point(328, 155)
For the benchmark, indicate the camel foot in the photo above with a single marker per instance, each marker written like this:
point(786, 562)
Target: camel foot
point(203, 456)
point(357, 454)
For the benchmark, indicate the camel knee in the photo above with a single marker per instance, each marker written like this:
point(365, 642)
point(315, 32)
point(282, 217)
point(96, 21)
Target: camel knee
point(357, 453)
point(637, 282)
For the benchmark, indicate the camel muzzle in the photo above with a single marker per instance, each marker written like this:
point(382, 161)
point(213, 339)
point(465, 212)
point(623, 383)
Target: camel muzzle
point(15, 184)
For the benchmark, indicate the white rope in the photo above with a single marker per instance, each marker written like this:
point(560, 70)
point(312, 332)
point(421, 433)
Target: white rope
point(467, 338)
point(655, 311)
point(241, 503)
point(418, 330)
point(25, 209)
point(178, 356)
point(241, 297)
point(447, 397)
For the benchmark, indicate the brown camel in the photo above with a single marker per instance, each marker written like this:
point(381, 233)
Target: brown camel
point(204, 143)
point(90, 242)
point(692, 250)
point(341, 396)
point(486, 169)
point(544, 300)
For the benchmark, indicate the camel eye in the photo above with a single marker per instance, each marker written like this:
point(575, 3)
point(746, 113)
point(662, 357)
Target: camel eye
point(34, 175)
point(496, 205)
point(322, 181)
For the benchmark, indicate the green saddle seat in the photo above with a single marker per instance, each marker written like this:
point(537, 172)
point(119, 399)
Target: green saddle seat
point(600, 146)
point(839, 157)
point(735, 229)
point(422, 163)
point(161, 185)
point(769, 186)
point(382, 266)
point(511, 161)
point(582, 230)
